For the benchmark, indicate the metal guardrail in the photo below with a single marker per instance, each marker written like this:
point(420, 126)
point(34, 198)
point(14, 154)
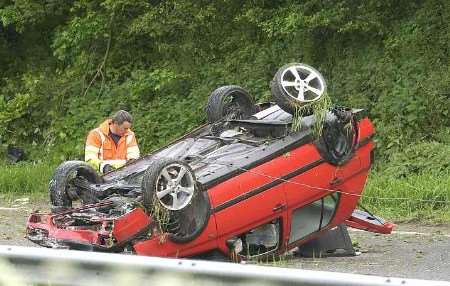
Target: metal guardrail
point(30, 265)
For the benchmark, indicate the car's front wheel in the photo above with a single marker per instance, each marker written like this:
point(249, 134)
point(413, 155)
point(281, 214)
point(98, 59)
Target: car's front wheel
point(173, 198)
point(229, 102)
point(170, 184)
point(63, 186)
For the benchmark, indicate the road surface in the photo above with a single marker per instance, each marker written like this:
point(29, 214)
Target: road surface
point(412, 251)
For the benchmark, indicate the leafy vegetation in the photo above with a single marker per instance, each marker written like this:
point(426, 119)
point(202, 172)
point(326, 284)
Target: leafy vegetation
point(418, 159)
point(68, 65)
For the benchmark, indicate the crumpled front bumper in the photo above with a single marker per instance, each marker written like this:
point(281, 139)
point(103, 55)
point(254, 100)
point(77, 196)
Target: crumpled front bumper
point(99, 234)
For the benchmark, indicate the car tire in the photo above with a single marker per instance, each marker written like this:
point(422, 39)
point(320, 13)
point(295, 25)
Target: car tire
point(292, 86)
point(62, 192)
point(183, 220)
point(337, 144)
point(156, 183)
point(229, 102)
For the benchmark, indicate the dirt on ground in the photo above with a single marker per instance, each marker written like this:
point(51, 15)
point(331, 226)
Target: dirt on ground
point(412, 251)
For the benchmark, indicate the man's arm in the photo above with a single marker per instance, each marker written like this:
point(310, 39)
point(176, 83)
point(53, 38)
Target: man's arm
point(132, 147)
point(92, 150)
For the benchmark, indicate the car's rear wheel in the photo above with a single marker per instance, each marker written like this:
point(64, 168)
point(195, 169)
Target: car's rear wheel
point(295, 85)
point(173, 198)
point(229, 102)
point(62, 187)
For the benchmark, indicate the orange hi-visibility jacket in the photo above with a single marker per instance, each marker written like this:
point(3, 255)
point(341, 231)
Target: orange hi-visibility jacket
point(101, 149)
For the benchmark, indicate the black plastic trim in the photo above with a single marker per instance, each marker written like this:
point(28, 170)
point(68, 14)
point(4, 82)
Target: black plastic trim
point(359, 113)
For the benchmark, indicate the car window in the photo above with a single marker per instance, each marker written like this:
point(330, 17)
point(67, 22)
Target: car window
point(259, 241)
point(329, 207)
point(312, 217)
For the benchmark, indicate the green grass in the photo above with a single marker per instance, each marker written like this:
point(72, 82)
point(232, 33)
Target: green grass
point(24, 179)
point(424, 197)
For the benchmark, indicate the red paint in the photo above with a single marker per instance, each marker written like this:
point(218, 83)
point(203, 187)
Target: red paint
point(96, 234)
point(130, 224)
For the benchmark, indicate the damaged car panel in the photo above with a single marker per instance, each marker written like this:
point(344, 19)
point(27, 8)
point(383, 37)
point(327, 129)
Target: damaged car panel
point(246, 184)
point(87, 228)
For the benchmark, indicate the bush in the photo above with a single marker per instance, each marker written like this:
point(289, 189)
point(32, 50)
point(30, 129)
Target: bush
point(66, 67)
point(418, 158)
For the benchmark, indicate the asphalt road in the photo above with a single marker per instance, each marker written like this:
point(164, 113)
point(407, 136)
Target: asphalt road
point(412, 251)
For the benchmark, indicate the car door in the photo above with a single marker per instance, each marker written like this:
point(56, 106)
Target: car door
point(312, 217)
point(249, 200)
point(310, 202)
point(307, 176)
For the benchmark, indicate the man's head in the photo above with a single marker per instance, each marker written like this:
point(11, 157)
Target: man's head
point(121, 122)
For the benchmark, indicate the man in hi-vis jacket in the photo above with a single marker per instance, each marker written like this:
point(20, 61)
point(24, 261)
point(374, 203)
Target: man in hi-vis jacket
point(112, 144)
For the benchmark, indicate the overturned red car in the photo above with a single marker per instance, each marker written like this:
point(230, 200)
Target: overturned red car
point(245, 185)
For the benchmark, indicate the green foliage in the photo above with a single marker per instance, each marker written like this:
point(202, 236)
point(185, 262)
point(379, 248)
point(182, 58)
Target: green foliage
point(68, 65)
point(24, 178)
point(420, 158)
point(319, 108)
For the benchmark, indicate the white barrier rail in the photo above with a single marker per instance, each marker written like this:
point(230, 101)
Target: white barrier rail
point(30, 265)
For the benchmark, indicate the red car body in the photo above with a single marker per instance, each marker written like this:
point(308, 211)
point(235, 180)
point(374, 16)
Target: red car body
point(265, 208)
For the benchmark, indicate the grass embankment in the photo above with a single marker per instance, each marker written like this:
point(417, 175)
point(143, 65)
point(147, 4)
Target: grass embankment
point(24, 179)
point(424, 197)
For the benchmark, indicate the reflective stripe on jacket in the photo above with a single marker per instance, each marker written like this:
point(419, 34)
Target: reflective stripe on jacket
point(101, 149)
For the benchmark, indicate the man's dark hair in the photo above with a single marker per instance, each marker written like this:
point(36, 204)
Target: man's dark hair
point(121, 116)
